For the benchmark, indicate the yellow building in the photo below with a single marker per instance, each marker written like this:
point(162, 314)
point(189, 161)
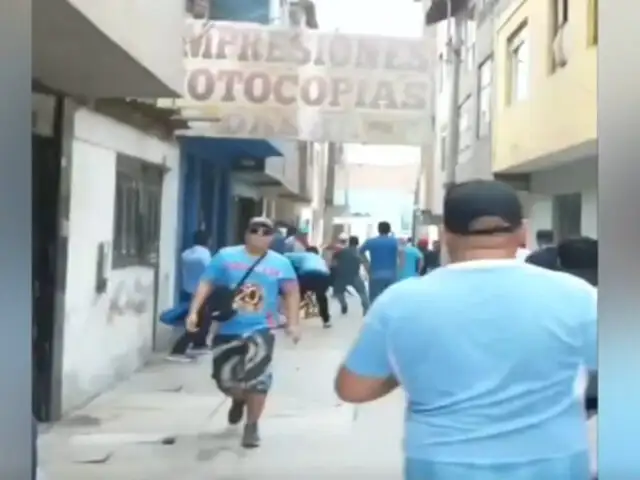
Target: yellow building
point(545, 110)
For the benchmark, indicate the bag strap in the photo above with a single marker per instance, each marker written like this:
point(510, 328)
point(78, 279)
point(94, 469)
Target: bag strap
point(249, 272)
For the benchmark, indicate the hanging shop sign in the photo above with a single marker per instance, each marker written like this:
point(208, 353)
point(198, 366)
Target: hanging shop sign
point(255, 81)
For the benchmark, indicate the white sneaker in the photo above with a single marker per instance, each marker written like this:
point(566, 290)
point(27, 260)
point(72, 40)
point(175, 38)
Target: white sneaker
point(179, 358)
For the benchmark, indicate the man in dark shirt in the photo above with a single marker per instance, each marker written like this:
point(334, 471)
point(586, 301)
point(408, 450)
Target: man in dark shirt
point(346, 265)
point(546, 255)
point(579, 257)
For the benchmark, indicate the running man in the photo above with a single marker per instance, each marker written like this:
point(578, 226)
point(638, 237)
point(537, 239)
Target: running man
point(193, 263)
point(413, 260)
point(486, 349)
point(384, 260)
point(256, 305)
point(314, 278)
point(347, 265)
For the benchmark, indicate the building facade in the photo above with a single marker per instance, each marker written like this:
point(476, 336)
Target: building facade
point(527, 108)
point(227, 181)
point(104, 189)
point(375, 192)
point(545, 120)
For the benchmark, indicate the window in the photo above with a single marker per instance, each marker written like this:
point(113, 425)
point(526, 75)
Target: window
point(518, 50)
point(485, 85)
point(592, 25)
point(138, 200)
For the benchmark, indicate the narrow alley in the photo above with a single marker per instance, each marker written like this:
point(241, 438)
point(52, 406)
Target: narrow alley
point(169, 421)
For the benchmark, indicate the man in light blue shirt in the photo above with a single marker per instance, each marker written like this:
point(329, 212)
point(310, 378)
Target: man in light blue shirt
point(487, 349)
point(193, 262)
point(413, 260)
point(313, 278)
point(246, 340)
point(382, 258)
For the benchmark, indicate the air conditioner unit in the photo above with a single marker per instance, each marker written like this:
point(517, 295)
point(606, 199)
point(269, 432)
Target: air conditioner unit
point(559, 50)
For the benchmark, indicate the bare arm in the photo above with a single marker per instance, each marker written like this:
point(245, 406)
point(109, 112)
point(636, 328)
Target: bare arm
point(292, 304)
point(366, 374)
point(200, 297)
point(354, 388)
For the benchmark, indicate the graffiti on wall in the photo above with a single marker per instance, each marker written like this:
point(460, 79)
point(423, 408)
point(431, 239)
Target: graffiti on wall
point(131, 296)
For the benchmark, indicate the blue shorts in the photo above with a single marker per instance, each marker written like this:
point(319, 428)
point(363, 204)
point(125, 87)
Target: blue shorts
point(573, 467)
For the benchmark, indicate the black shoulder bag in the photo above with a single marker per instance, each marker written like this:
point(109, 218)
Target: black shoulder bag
point(220, 302)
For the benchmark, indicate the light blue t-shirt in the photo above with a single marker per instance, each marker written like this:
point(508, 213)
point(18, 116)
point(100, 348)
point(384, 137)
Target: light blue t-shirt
point(194, 262)
point(412, 259)
point(488, 353)
point(383, 256)
point(258, 299)
point(308, 262)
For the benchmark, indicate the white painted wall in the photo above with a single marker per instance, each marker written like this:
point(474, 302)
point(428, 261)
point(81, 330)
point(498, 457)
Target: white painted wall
point(108, 336)
point(590, 213)
point(571, 178)
point(149, 32)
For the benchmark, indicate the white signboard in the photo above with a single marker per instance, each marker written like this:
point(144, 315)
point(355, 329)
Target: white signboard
point(255, 81)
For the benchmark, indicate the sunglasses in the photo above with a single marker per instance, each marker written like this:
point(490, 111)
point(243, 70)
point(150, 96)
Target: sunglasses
point(261, 230)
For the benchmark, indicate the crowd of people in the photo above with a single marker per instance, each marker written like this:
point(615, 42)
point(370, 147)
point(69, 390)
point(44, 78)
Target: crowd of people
point(492, 349)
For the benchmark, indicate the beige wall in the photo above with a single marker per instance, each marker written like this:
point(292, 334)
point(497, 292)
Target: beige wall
point(561, 110)
point(393, 177)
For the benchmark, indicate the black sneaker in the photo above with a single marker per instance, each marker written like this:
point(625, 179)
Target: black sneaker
point(326, 324)
point(236, 412)
point(250, 436)
point(344, 310)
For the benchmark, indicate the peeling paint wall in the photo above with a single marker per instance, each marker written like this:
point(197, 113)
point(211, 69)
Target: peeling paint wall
point(107, 336)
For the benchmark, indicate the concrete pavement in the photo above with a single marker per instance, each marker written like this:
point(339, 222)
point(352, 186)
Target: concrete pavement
point(169, 421)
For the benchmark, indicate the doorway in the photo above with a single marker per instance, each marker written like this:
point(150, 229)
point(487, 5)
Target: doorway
point(245, 209)
point(45, 186)
point(567, 215)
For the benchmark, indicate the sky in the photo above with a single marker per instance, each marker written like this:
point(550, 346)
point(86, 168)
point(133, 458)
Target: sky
point(395, 18)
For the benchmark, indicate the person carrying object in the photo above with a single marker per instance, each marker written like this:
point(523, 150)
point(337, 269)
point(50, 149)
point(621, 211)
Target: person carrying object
point(242, 286)
point(193, 263)
point(313, 278)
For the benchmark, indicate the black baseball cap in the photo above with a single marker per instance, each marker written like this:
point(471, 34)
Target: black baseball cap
point(467, 202)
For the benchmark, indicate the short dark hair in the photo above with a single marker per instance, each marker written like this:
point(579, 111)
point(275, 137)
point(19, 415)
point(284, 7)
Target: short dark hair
point(579, 253)
point(545, 235)
point(313, 249)
point(201, 238)
point(384, 228)
point(291, 231)
point(354, 241)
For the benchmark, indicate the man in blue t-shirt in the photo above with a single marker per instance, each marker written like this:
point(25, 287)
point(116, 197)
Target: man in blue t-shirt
point(486, 349)
point(313, 278)
point(382, 259)
point(256, 305)
point(413, 260)
point(193, 263)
